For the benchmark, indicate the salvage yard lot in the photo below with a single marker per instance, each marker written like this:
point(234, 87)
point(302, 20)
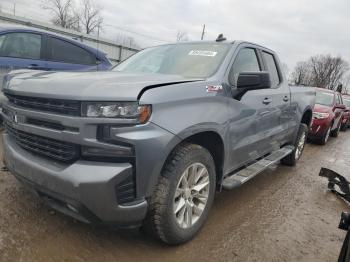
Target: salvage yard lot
point(284, 214)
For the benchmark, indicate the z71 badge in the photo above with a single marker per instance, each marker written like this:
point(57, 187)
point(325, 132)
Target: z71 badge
point(216, 88)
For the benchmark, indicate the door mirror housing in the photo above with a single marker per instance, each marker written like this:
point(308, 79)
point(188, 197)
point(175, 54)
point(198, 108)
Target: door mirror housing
point(254, 80)
point(340, 106)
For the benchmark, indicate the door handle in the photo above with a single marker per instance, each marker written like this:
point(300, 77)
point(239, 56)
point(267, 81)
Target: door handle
point(267, 101)
point(33, 66)
point(285, 98)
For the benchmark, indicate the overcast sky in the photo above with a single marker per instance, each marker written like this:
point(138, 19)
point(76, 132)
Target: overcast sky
point(296, 29)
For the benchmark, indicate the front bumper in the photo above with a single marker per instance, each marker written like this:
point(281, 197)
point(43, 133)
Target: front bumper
point(84, 190)
point(318, 128)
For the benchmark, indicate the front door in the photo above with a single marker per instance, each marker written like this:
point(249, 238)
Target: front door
point(252, 115)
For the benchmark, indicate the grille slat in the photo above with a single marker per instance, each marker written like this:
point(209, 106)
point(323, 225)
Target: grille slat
point(59, 106)
point(126, 191)
point(51, 148)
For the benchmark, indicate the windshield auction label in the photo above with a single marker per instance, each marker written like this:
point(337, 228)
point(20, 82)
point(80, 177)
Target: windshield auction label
point(202, 53)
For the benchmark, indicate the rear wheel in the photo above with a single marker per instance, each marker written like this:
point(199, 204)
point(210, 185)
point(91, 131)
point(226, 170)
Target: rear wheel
point(299, 145)
point(183, 196)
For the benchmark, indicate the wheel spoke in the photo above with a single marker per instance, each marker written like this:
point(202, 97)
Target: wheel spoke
point(181, 216)
point(197, 210)
point(191, 195)
point(180, 204)
point(178, 192)
point(201, 185)
point(188, 215)
point(184, 180)
point(200, 197)
point(200, 174)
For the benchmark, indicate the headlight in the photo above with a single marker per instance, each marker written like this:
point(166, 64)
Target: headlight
point(123, 110)
point(319, 115)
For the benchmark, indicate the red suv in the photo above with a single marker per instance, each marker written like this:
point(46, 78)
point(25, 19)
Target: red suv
point(327, 115)
point(346, 114)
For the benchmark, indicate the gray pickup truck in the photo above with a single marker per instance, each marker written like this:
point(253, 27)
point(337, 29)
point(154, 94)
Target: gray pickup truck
point(149, 143)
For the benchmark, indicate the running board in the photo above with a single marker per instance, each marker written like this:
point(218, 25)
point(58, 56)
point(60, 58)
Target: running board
point(251, 171)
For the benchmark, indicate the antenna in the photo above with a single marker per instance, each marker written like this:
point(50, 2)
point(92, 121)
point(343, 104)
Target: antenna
point(220, 38)
point(98, 44)
point(203, 32)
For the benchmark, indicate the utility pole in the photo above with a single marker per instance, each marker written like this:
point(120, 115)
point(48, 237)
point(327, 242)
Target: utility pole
point(14, 9)
point(203, 32)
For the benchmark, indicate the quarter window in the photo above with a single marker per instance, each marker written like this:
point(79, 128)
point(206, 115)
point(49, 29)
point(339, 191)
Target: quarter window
point(65, 52)
point(246, 61)
point(272, 68)
point(20, 45)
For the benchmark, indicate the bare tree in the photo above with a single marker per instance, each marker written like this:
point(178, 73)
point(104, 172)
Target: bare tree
point(301, 74)
point(323, 71)
point(63, 13)
point(181, 36)
point(90, 16)
point(126, 40)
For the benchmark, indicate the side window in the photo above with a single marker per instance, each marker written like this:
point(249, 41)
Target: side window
point(272, 68)
point(20, 45)
point(66, 52)
point(337, 99)
point(245, 61)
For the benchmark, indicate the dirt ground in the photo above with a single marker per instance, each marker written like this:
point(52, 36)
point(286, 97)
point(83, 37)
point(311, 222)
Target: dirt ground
point(284, 214)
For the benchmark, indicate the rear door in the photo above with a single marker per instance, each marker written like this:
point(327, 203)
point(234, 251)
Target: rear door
point(251, 115)
point(65, 56)
point(280, 130)
point(20, 50)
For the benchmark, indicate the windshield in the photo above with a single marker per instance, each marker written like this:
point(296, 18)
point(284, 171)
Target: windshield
point(346, 102)
point(324, 98)
point(187, 60)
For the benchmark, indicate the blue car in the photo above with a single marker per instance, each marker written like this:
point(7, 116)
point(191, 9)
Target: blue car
point(33, 49)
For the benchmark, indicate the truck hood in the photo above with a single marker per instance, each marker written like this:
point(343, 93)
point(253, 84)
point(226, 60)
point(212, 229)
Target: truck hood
point(322, 108)
point(88, 86)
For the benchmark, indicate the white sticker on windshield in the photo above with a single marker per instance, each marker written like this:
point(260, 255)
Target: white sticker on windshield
point(202, 53)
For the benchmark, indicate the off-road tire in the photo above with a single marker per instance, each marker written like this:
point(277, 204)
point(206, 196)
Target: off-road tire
point(160, 221)
point(291, 159)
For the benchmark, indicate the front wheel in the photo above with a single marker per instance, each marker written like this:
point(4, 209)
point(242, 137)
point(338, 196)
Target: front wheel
point(344, 126)
point(185, 192)
point(335, 132)
point(324, 139)
point(299, 145)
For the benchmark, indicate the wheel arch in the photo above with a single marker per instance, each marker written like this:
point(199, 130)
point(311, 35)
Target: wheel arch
point(210, 140)
point(307, 117)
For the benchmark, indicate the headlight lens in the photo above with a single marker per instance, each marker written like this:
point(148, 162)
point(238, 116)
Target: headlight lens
point(319, 115)
point(124, 110)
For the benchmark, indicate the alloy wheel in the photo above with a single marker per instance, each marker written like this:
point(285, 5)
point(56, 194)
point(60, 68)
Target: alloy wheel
point(191, 195)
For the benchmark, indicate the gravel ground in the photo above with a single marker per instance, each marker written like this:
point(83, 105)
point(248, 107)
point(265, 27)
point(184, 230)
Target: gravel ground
point(284, 214)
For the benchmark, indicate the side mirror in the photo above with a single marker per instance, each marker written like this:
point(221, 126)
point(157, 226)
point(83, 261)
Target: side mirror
point(340, 106)
point(254, 80)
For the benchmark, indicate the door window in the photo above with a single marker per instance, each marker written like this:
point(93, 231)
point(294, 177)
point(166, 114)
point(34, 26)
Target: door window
point(246, 61)
point(20, 45)
point(65, 52)
point(272, 68)
point(337, 100)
